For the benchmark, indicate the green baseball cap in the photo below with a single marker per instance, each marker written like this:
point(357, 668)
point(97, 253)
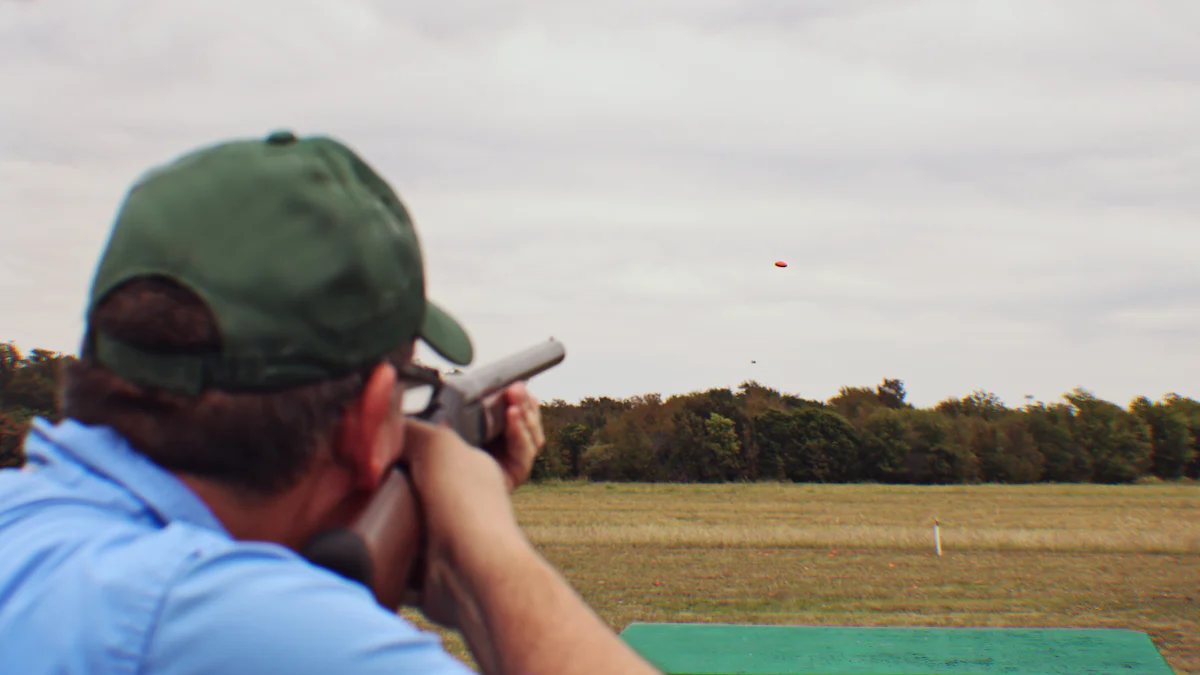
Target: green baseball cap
point(305, 256)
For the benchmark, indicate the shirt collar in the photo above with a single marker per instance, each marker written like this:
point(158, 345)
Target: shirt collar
point(106, 453)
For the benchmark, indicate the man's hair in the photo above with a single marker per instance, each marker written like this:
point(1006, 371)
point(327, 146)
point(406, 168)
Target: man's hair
point(253, 442)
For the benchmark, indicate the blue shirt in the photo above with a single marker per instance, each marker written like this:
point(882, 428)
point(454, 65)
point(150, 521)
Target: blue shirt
point(109, 564)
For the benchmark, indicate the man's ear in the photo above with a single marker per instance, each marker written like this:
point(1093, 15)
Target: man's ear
point(367, 443)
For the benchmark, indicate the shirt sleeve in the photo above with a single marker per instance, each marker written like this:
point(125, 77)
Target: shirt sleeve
point(251, 611)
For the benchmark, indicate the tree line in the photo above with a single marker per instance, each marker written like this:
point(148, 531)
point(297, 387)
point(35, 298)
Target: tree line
point(28, 388)
point(756, 433)
point(869, 434)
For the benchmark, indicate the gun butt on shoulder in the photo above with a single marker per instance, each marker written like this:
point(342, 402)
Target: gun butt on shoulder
point(382, 549)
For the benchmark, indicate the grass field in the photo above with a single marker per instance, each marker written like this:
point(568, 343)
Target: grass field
point(1037, 556)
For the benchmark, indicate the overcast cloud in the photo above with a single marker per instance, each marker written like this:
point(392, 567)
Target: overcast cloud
point(996, 194)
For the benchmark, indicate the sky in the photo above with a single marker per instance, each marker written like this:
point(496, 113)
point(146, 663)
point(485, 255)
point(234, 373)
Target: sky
point(969, 194)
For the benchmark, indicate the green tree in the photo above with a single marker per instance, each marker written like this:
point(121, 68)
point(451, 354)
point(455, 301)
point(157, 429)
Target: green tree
point(754, 399)
point(10, 360)
point(855, 403)
point(979, 403)
point(936, 454)
point(776, 439)
point(885, 446)
point(563, 454)
point(596, 412)
point(1004, 447)
point(891, 394)
point(824, 448)
point(628, 446)
point(1066, 460)
point(721, 447)
point(1190, 410)
point(1117, 440)
point(1021, 460)
point(573, 439)
point(727, 404)
point(1171, 439)
point(12, 435)
point(28, 388)
point(682, 462)
point(983, 438)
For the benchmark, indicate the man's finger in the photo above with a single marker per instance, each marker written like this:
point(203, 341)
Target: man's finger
point(535, 427)
point(517, 393)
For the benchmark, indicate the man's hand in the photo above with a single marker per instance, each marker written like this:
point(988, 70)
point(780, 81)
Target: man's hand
point(483, 577)
point(470, 527)
point(524, 436)
point(461, 487)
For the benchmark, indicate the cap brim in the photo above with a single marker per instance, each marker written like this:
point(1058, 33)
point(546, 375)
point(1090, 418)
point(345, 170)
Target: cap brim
point(446, 336)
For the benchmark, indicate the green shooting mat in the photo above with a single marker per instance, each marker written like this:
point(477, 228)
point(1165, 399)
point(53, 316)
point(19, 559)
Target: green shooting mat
point(722, 649)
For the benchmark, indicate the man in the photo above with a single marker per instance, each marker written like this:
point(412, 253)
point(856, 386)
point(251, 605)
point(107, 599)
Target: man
point(249, 335)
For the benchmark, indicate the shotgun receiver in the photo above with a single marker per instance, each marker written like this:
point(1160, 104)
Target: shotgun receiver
point(381, 549)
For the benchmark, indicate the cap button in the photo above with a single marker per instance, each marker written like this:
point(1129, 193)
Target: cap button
point(281, 138)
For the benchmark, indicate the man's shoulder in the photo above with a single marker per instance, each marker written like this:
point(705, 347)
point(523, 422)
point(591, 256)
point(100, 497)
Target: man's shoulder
point(83, 566)
point(129, 593)
point(272, 611)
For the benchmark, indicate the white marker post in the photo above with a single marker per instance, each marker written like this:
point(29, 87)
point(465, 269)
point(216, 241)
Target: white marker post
point(937, 538)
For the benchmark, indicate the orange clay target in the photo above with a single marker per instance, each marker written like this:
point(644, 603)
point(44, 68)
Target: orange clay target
point(780, 263)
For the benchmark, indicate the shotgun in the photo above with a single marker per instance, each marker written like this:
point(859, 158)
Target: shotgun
point(382, 549)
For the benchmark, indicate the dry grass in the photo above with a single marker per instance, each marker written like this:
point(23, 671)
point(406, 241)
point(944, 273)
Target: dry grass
point(1078, 556)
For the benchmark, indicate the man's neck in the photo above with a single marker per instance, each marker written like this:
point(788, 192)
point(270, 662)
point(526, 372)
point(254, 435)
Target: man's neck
point(249, 517)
